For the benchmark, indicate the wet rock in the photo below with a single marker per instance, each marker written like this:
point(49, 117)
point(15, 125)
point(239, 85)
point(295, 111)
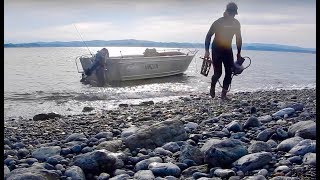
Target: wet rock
point(164, 169)
point(253, 161)
point(171, 146)
point(282, 112)
point(295, 159)
point(56, 159)
point(112, 146)
point(222, 152)
point(143, 165)
point(252, 122)
point(40, 117)
point(144, 175)
point(75, 172)
point(120, 177)
point(282, 134)
point(272, 143)
point(259, 146)
point(288, 144)
point(95, 162)
point(43, 153)
point(198, 175)
point(263, 172)
point(234, 126)
point(192, 153)
point(23, 152)
point(310, 159)
point(157, 135)
point(304, 147)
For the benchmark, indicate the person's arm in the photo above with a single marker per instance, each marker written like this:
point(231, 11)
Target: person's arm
point(208, 39)
point(239, 41)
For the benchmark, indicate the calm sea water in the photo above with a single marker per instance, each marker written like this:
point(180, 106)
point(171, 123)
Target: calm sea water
point(41, 80)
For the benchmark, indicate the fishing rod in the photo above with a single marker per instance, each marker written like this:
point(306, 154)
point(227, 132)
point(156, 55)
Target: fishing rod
point(82, 39)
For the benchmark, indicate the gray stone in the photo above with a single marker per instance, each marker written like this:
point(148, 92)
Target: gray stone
point(310, 159)
point(305, 129)
point(104, 176)
point(95, 161)
point(253, 161)
point(191, 125)
point(284, 178)
point(76, 137)
point(112, 146)
point(107, 135)
point(272, 143)
point(192, 153)
point(282, 112)
point(257, 177)
point(234, 126)
point(265, 135)
point(304, 147)
point(263, 172)
point(164, 169)
point(129, 131)
point(6, 171)
point(44, 153)
point(161, 151)
point(157, 134)
point(224, 173)
point(189, 171)
point(75, 172)
point(222, 152)
point(259, 146)
point(288, 144)
point(143, 165)
point(252, 122)
point(144, 175)
point(283, 169)
point(295, 159)
point(237, 135)
point(171, 146)
point(281, 133)
point(296, 106)
point(33, 172)
point(120, 177)
point(265, 118)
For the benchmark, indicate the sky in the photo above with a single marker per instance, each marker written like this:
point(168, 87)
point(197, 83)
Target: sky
point(288, 22)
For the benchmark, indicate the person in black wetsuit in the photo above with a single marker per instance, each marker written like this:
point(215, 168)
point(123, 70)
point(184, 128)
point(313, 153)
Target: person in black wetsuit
point(224, 29)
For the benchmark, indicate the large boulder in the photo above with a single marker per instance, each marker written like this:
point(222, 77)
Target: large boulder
point(157, 134)
point(223, 152)
point(253, 161)
point(95, 162)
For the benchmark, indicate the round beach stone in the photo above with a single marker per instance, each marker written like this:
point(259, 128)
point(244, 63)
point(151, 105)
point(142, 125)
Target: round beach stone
point(252, 122)
point(288, 144)
point(224, 173)
point(143, 165)
point(44, 153)
point(164, 169)
point(310, 159)
point(144, 175)
point(259, 146)
point(76, 137)
point(253, 161)
point(75, 172)
point(304, 147)
point(171, 146)
point(234, 126)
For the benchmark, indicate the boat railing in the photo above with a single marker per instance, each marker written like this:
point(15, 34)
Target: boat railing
point(78, 59)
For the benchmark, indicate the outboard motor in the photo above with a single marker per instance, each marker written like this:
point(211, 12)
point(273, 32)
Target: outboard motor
point(237, 66)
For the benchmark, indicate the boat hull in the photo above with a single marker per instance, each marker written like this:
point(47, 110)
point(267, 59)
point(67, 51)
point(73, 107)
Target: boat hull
point(138, 67)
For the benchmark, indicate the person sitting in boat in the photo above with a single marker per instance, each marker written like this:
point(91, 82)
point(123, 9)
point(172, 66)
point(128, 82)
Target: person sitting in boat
point(99, 61)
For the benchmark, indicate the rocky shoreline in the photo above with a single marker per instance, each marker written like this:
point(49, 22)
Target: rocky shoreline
point(256, 135)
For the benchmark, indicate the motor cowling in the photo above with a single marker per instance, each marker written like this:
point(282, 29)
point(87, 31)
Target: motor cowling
point(237, 66)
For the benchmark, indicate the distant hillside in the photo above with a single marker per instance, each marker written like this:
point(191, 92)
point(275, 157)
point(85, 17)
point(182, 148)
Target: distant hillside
point(143, 43)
